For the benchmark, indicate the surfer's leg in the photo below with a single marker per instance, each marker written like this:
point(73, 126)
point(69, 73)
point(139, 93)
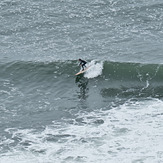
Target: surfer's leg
point(84, 66)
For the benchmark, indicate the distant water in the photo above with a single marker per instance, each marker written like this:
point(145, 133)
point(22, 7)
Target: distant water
point(112, 113)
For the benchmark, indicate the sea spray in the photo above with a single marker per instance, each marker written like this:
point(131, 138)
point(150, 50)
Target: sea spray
point(94, 70)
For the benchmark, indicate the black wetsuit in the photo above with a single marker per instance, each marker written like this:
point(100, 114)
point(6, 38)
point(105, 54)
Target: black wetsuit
point(82, 63)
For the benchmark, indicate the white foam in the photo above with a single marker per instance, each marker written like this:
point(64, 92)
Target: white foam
point(94, 70)
point(131, 132)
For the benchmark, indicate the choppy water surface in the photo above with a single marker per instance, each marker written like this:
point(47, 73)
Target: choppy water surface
point(112, 113)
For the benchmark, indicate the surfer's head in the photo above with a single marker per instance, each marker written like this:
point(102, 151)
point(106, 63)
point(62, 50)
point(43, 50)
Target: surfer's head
point(79, 59)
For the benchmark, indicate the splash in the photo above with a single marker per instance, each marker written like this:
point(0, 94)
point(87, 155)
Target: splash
point(94, 70)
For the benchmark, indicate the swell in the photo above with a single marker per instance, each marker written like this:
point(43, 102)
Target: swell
point(111, 70)
point(129, 80)
point(38, 69)
point(133, 71)
point(117, 79)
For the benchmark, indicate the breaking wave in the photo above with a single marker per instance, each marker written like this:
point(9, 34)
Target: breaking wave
point(114, 78)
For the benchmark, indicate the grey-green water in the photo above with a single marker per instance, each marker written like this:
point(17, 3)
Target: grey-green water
point(113, 112)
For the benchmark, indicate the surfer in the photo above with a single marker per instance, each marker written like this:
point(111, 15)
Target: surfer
point(82, 63)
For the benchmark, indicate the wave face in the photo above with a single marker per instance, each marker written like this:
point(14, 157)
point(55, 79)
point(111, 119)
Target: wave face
point(113, 78)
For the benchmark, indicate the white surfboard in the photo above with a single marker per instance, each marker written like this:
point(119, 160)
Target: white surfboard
point(80, 72)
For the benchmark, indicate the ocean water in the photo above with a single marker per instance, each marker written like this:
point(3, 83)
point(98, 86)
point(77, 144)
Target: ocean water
point(113, 113)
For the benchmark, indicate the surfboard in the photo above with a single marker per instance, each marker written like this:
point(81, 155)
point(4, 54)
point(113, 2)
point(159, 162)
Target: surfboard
point(80, 72)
